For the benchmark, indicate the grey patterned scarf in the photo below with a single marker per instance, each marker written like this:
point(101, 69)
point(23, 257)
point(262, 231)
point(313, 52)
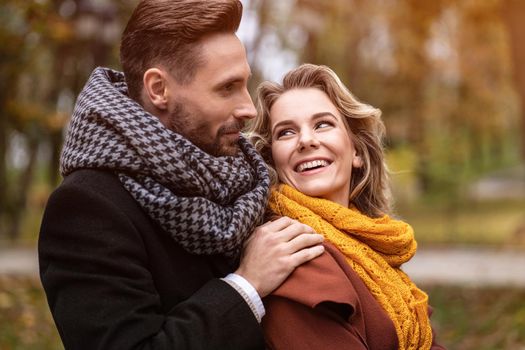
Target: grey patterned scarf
point(208, 204)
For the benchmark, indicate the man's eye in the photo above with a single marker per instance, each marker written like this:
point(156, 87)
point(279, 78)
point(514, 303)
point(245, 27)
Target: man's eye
point(228, 87)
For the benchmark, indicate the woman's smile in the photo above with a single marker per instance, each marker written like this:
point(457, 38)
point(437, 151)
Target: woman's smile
point(311, 145)
point(309, 166)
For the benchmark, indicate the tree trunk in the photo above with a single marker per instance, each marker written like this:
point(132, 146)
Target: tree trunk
point(24, 184)
point(514, 13)
point(56, 141)
point(3, 170)
point(8, 80)
point(413, 69)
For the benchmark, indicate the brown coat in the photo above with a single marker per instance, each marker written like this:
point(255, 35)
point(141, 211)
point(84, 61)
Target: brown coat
point(324, 304)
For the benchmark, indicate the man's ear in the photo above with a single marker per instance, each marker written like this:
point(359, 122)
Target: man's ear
point(156, 87)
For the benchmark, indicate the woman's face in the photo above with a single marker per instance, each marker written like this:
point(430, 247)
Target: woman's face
point(311, 147)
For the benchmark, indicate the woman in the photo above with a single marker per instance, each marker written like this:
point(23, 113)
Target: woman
point(325, 150)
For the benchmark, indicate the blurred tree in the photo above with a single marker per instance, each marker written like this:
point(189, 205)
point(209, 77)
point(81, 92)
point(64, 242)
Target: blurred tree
point(482, 91)
point(439, 70)
point(469, 97)
point(260, 12)
point(13, 35)
point(514, 13)
point(378, 48)
point(411, 24)
point(49, 49)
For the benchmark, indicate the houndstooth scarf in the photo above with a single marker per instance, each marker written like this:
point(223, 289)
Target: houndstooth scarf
point(208, 204)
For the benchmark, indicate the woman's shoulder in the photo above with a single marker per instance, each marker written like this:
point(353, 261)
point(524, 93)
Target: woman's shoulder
point(322, 280)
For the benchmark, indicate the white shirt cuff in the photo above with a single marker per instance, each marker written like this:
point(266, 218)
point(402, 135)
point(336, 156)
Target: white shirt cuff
point(248, 292)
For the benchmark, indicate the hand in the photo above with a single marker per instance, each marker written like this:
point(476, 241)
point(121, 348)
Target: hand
point(274, 250)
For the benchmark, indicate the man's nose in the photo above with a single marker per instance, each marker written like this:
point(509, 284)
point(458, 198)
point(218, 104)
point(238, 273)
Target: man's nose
point(246, 109)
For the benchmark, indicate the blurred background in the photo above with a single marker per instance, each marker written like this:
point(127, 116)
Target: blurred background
point(448, 75)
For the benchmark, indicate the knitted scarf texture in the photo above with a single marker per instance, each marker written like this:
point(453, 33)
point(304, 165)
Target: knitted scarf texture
point(375, 248)
point(208, 204)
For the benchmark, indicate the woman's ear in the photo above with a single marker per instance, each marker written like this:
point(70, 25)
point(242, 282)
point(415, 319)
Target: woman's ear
point(357, 162)
point(156, 89)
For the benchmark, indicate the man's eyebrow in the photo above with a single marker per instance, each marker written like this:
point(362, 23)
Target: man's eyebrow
point(227, 81)
point(232, 80)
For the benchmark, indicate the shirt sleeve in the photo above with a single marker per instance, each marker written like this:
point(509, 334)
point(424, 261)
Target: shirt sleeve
point(248, 292)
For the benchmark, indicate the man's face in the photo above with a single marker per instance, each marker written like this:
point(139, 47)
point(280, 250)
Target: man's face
point(211, 110)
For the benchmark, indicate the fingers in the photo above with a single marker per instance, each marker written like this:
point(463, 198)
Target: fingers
point(274, 250)
point(306, 254)
point(279, 224)
point(295, 229)
point(287, 233)
point(303, 241)
point(284, 229)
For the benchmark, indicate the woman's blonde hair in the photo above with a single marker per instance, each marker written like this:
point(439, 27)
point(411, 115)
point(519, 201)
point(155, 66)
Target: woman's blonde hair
point(369, 187)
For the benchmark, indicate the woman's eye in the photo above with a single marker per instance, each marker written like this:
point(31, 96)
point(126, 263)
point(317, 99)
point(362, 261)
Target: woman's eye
point(284, 132)
point(324, 124)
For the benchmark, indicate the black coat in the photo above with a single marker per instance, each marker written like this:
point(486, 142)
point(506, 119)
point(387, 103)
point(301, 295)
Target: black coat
point(115, 280)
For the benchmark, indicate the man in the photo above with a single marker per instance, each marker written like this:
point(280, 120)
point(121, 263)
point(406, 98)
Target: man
point(161, 193)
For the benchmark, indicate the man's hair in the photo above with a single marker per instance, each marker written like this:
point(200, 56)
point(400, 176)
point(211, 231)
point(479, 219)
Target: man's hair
point(369, 186)
point(166, 33)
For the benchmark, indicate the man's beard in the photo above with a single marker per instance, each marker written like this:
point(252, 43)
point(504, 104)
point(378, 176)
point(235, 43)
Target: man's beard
point(183, 123)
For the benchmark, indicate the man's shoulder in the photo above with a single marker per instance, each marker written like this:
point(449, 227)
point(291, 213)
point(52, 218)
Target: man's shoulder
point(95, 182)
point(90, 177)
point(93, 189)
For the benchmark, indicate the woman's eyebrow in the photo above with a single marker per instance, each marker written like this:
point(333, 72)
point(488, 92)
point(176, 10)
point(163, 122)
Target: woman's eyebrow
point(323, 114)
point(314, 116)
point(283, 123)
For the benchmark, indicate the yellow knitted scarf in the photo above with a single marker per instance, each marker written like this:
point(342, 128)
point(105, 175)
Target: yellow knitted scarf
point(375, 249)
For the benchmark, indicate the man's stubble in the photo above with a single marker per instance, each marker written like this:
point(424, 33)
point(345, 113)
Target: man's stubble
point(197, 131)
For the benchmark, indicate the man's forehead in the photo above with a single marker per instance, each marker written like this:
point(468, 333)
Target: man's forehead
point(221, 45)
point(224, 56)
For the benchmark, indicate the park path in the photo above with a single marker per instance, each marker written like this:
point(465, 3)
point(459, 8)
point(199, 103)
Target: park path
point(443, 266)
point(19, 261)
point(468, 266)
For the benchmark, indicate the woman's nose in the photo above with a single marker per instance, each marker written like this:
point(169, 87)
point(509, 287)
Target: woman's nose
point(308, 141)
